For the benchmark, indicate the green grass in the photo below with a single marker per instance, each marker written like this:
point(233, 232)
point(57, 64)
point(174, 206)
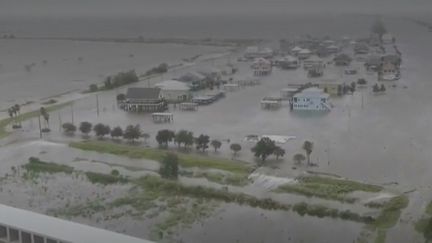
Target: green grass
point(423, 225)
point(37, 166)
point(391, 212)
point(327, 188)
point(25, 116)
point(105, 179)
point(381, 237)
point(185, 160)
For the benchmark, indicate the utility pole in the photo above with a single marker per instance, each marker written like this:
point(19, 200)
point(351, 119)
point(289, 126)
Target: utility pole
point(40, 127)
point(72, 113)
point(362, 100)
point(60, 122)
point(97, 105)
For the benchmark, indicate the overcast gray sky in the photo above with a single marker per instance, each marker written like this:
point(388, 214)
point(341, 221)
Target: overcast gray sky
point(203, 7)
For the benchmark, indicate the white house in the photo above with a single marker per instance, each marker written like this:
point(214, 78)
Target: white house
point(387, 38)
point(296, 50)
point(311, 99)
point(313, 61)
point(288, 62)
point(261, 67)
point(174, 91)
point(304, 54)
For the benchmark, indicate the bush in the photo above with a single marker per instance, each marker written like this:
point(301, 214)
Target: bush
point(169, 166)
point(93, 88)
point(85, 127)
point(69, 128)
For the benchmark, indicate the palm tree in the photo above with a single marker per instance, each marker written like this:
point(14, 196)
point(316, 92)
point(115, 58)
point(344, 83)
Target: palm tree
point(308, 147)
point(45, 115)
point(17, 111)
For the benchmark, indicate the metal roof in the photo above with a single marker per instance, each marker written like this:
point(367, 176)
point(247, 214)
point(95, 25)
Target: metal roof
point(143, 93)
point(59, 229)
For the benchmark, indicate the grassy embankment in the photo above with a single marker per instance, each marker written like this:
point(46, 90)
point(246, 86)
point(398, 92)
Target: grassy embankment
point(336, 189)
point(154, 188)
point(25, 116)
point(327, 188)
point(238, 170)
point(424, 225)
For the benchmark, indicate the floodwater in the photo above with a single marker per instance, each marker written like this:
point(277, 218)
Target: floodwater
point(58, 68)
point(233, 223)
point(385, 140)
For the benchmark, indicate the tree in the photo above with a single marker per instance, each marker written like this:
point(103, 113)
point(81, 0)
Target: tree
point(93, 88)
point(353, 87)
point(361, 81)
point(121, 97)
point(169, 166)
point(117, 132)
point(132, 132)
point(263, 148)
point(202, 142)
point(69, 128)
point(376, 88)
point(383, 88)
point(163, 137)
point(379, 28)
point(279, 152)
point(184, 137)
point(101, 130)
point(299, 158)
point(216, 144)
point(308, 147)
point(235, 147)
point(107, 83)
point(45, 115)
point(427, 233)
point(85, 127)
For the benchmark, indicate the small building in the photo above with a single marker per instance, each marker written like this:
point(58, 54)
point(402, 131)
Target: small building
point(288, 62)
point(373, 63)
point(174, 91)
point(271, 103)
point(361, 48)
point(304, 54)
point(311, 99)
point(313, 62)
point(288, 93)
point(330, 87)
point(342, 60)
point(248, 81)
point(231, 87)
point(295, 51)
point(387, 38)
point(188, 106)
point(389, 72)
point(395, 59)
point(144, 100)
point(332, 49)
point(261, 67)
point(315, 71)
point(163, 117)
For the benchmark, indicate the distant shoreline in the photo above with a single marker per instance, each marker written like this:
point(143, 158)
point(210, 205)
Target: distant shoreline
point(141, 40)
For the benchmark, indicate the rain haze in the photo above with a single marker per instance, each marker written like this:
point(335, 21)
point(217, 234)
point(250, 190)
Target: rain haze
point(215, 121)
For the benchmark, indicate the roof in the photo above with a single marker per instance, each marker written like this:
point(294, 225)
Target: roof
point(172, 85)
point(297, 48)
point(304, 51)
point(314, 59)
point(143, 93)
point(59, 229)
point(261, 60)
point(316, 92)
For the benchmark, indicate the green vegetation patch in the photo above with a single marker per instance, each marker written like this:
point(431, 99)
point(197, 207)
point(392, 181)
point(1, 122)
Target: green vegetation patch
point(105, 179)
point(391, 212)
point(38, 166)
point(327, 188)
point(185, 160)
point(151, 183)
point(381, 236)
point(424, 225)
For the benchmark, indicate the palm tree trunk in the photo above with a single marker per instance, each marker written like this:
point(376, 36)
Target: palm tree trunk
point(308, 157)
